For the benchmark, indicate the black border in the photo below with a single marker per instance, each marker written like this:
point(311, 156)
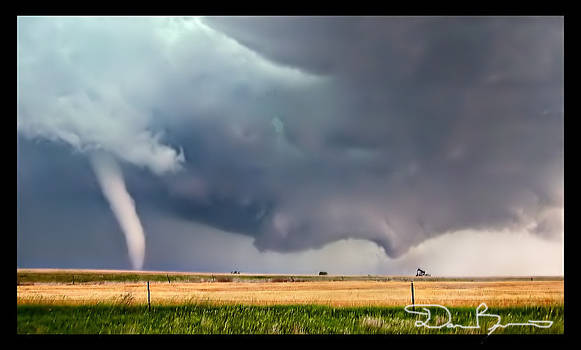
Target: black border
point(244, 9)
point(280, 9)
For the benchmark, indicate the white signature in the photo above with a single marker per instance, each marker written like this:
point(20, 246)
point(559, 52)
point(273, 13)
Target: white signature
point(480, 312)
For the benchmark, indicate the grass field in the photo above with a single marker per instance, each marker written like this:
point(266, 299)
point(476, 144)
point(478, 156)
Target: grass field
point(335, 293)
point(116, 302)
point(281, 319)
point(31, 276)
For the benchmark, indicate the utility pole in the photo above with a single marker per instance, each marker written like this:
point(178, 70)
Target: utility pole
point(413, 302)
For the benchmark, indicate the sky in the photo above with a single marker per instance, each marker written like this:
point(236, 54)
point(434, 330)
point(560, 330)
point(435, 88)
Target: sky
point(352, 145)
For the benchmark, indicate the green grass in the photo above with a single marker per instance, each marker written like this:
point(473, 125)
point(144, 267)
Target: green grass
point(93, 277)
point(96, 277)
point(287, 319)
point(29, 277)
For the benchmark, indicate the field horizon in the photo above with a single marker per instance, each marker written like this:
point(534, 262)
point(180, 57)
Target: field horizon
point(76, 287)
point(49, 271)
point(81, 301)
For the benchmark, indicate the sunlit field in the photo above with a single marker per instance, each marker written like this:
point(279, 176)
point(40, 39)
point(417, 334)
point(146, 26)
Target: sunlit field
point(332, 293)
point(51, 301)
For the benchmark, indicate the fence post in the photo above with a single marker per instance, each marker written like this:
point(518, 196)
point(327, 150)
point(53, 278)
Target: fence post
point(73, 280)
point(148, 297)
point(413, 301)
point(168, 281)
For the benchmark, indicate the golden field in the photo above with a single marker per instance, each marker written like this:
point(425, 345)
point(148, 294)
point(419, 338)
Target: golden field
point(334, 293)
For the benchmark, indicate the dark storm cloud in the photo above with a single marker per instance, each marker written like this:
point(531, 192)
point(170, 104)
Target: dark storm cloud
point(435, 125)
point(392, 130)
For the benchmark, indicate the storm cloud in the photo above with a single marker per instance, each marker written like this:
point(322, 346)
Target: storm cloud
point(303, 131)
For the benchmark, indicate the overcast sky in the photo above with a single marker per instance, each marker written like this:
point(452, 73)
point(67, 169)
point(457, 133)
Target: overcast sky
point(353, 145)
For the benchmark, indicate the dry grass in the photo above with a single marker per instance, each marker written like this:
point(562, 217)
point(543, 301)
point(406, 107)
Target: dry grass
point(337, 293)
